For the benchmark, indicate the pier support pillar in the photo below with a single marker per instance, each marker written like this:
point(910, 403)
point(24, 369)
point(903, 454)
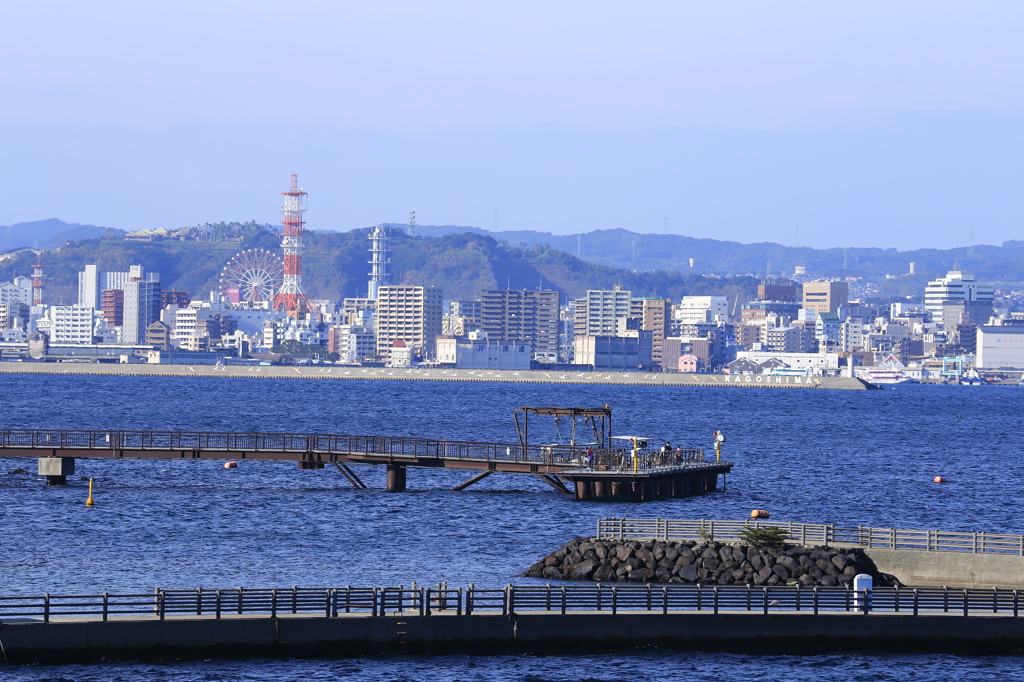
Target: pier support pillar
point(616, 488)
point(600, 488)
point(396, 478)
point(56, 469)
point(584, 490)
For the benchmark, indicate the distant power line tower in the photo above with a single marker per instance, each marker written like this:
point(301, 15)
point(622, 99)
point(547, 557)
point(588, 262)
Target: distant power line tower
point(378, 259)
point(970, 243)
point(579, 245)
point(37, 283)
point(412, 226)
point(292, 298)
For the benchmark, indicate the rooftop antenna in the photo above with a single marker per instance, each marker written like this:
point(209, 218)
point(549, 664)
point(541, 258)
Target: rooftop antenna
point(412, 224)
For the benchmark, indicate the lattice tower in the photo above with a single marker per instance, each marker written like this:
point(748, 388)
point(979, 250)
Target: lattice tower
point(292, 298)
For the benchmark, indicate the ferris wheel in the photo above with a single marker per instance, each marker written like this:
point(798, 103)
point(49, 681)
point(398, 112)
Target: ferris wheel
point(252, 276)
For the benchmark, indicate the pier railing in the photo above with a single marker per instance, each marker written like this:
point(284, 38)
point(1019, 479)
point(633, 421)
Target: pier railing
point(813, 534)
point(300, 445)
point(540, 599)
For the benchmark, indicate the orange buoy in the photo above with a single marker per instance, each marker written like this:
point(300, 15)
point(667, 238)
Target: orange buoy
point(939, 479)
point(760, 514)
point(230, 465)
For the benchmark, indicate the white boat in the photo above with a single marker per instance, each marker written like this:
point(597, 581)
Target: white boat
point(884, 375)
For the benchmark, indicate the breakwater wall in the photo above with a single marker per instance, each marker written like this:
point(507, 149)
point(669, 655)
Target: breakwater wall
point(420, 374)
point(705, 563)
point(914, 557)
point(521, 633)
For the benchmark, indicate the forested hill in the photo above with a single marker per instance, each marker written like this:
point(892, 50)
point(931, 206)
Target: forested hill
point(334, 266)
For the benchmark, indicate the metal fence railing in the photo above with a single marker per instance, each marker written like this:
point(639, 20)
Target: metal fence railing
point(540, 599)
point(306, 445)
point(813, 534)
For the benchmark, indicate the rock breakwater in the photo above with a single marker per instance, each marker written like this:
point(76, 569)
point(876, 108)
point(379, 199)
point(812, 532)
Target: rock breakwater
point(708, 563)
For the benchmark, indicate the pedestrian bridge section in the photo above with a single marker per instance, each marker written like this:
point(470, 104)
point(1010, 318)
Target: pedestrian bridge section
point(609, 472)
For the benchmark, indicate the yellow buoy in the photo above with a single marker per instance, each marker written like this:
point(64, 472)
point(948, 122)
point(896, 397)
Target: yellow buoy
point(88, 503)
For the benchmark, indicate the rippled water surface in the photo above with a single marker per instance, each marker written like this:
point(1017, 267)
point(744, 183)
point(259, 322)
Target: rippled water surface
point(864, 457)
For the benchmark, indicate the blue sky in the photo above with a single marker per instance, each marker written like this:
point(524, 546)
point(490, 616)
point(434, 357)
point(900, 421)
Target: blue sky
point(875, 124)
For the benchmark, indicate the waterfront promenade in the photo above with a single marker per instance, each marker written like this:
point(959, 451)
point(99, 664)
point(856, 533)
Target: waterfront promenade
point(451, 375)
point(535, 619)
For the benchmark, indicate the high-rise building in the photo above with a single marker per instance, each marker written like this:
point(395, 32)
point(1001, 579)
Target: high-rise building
point(654, 315)
point(958, 289)
point(597, 312)
point(525, 316)
point(112, 301)
point(89, 287)
point(410, 313)
point(825, 297)
point(141, 309)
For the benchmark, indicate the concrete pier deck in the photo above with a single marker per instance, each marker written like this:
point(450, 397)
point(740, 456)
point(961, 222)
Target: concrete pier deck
point(79, 640)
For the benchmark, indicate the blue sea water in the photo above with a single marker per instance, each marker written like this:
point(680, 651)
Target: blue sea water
point(850, 458)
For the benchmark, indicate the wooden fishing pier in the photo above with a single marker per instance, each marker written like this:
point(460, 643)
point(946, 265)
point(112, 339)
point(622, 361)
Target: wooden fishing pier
point(597, 469)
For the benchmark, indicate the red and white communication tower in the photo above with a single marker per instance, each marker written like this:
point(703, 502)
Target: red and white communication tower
point(291, 297)
point(37, 283)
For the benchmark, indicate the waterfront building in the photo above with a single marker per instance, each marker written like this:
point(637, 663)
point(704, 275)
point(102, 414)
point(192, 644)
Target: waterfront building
point(974, 299)
point(408, 313)
point(1000, 346)
point(825, 297)
point(483, 353)
point(522, 317)
point(71, 324)
point(616, 353)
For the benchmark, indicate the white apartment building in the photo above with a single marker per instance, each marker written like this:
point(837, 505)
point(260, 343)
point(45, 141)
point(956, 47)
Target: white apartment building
point(17, 291)
point(701, 309)
point(71, 324)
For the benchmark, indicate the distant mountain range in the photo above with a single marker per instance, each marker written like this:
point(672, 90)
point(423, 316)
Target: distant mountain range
point(47, 234)
point(647, 252)
point(462, 261)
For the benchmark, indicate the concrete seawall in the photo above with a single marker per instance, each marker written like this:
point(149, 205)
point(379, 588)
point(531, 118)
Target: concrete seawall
point(954, 569)
point(419, 374)
point(359, 635)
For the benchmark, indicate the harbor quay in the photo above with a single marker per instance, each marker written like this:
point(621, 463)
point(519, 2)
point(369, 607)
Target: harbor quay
point(343, 372)
point(523, 619)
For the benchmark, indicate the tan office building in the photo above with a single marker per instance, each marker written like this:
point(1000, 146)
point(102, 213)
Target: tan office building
point(825, 297)
point(412, 314)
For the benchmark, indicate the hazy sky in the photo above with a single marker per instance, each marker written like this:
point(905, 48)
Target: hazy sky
point(872, 124)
